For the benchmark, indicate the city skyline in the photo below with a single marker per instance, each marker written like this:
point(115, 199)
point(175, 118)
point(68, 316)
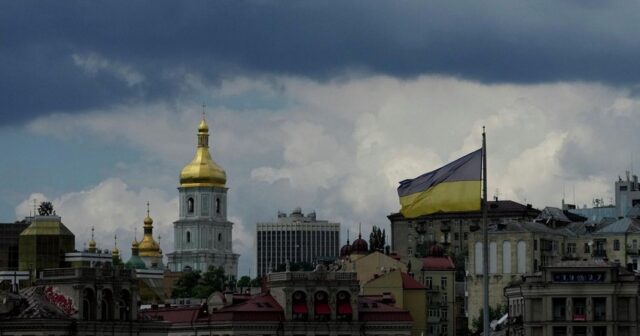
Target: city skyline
point(323, 106)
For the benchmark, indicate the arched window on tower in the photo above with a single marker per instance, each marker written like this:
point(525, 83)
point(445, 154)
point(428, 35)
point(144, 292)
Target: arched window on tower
point(219, 236)
point(188, 237)
point(190, 205)
point(217, 205)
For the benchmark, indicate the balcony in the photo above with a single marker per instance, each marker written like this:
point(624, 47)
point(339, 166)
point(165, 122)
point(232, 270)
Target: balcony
point(599, 253)
point(632, 251)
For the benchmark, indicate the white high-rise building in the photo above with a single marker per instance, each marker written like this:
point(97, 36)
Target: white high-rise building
point(202, 233)
point(295, 238)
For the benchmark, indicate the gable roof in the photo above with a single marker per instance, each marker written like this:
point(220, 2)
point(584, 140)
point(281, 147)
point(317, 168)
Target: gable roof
point(408, 282)
point(444, 263)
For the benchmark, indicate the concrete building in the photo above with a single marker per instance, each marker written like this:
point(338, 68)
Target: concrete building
point(515, 248)
point(43, 244)
point(77, 301)
point(370, 265)
point(295, 239)
point(412, 237)
point(436, 272)
point(575, 298)
point(202, 233)
point(9, 237)
point(314, 303)
point(407, 293)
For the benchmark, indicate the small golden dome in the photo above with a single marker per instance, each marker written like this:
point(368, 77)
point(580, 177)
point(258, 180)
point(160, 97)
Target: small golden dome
point(203, 127)
point(202, 171)
point(149, 247)
point(148, 220)
point(92, 244)
point(134, 244)
point(115, 252)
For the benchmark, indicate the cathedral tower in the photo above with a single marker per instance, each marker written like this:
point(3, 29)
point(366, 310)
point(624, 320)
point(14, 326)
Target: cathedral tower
point(202, 234)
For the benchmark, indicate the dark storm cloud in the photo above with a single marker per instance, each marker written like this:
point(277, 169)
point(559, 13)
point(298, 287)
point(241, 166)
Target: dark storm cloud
point(490, 41)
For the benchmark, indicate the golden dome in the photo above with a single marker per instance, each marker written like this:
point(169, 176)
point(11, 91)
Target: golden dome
point(202, 171)
point(203, 127)
point(92, 242)
point(134, 244)
point(148, 247)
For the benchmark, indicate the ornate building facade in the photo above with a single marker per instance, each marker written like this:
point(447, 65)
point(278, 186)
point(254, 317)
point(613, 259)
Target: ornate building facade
point(202, 233)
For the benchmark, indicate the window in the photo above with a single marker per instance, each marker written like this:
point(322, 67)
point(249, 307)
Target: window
point(571, 247)
point(493, 258)
point(587, 248)
point(535, 244)
point(428, 282)
point(443, 299)
point(188, 237)
point(410, 251)
point(443, 329)
point(616, 245)
point(506, 256)
point(217, 205)
point(465, 235)
point(445, 238)
point(599, 331)
point(478, 257)
point(443, 314)
point(219, 236)
point(456, 236)
point(190, 205)
point(521, 248)
point(443, 282)
point(623, 188)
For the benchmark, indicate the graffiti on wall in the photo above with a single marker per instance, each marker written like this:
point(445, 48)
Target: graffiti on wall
point(60, 300)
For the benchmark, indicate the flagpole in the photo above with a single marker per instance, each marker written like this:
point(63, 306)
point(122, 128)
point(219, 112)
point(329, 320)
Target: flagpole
point(485, 238)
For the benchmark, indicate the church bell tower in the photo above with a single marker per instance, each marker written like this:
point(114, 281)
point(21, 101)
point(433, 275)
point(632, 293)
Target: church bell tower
point(202, 233)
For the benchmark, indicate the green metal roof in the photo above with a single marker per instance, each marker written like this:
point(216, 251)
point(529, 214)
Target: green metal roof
point(135, 262)
point(49, 225)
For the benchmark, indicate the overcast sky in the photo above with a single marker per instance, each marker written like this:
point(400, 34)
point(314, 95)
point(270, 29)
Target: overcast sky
point(324, 105)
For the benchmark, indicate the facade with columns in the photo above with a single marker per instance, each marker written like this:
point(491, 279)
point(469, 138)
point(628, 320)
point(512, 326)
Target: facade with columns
point(202, 233)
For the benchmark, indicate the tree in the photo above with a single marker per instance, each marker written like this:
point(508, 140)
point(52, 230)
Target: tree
point(244, 282)
point(494, 314)
point(256, 282)
point(185, 285)
point(377, 239)
point(200, 285)
point(45, 209)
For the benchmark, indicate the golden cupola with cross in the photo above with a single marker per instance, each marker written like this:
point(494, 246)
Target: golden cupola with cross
point(148, 247)
point(202, 171)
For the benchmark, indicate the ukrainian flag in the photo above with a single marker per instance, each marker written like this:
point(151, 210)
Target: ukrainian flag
point(452, 188)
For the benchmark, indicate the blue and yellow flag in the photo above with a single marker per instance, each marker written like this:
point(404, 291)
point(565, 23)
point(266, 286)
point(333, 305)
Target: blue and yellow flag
point(452, 188)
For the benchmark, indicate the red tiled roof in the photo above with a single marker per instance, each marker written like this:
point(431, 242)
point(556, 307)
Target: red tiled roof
point(372, 309)
point(438, 264)
point(409, 282)
point(262, 307)
point(182, 314)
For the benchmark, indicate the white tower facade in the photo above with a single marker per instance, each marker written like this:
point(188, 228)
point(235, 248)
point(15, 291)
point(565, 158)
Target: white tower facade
point(202, 233)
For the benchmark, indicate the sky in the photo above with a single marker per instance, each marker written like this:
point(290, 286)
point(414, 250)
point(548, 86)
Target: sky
point(325, 105)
